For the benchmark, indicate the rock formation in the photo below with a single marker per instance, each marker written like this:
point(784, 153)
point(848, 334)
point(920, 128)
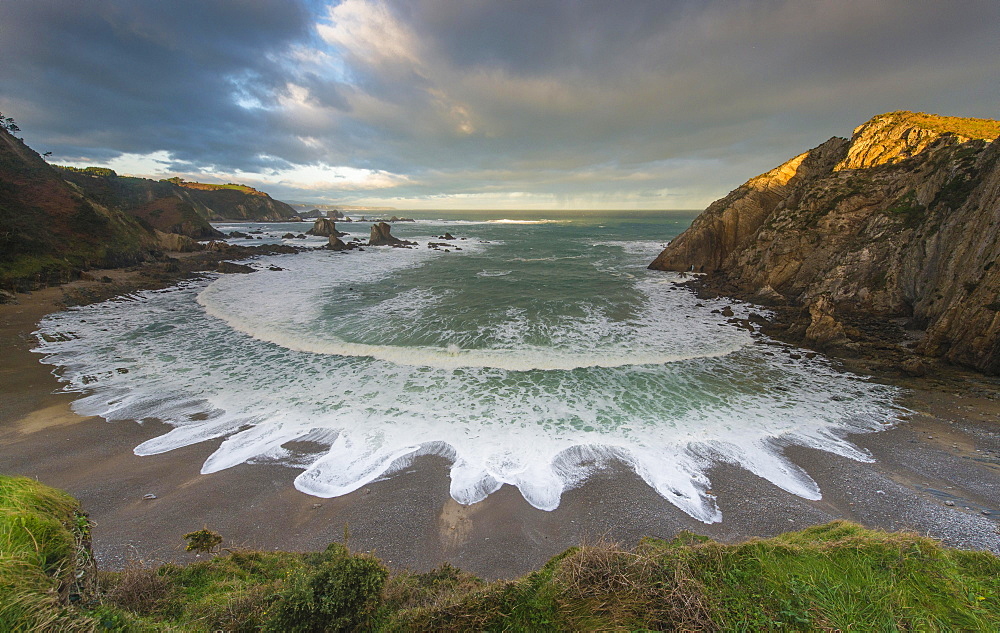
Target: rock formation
point(380, 236)
point(901, 221)
point(336, 244)
point(176, 243)
point(324, 227)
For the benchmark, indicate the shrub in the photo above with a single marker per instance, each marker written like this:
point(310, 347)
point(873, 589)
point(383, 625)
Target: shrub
point(343, 593)
point(138, 589)
point(203, 541)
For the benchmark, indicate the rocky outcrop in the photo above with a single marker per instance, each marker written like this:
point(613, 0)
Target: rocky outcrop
point(380, 236)
point(176, 243)
point(337, 244)
point(324, 227)
point(902, 221)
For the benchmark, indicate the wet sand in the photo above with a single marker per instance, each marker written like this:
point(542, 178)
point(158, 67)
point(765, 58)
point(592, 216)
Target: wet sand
point(948, 451)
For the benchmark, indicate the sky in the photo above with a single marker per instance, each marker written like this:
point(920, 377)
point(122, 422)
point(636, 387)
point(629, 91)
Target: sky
point(481, 104)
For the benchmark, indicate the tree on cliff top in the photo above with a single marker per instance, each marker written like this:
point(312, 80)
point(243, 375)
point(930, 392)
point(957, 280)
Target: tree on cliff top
point(8, 124)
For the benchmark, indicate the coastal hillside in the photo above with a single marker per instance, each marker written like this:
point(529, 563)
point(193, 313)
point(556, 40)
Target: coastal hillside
point(50, 230)
point(901, 221)
point(176, 206)
point(234, 202)
point(160, 205)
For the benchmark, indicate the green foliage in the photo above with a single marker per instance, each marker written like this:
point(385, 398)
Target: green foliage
point(203, 541)
point(8, 124)
point(956, 191)
point(343, 593)
point(41, 531)
point(48, 233)
point(908, 211)
point(840, 575)
point(103, 172)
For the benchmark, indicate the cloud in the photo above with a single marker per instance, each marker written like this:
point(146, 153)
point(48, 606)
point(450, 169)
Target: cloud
point(560, 102)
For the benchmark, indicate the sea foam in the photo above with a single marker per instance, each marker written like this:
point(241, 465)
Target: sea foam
point(317, 352)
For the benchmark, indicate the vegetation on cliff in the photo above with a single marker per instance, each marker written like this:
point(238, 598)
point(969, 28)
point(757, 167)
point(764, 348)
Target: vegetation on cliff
point(49, 231)
point(156, 205)
point(900, 221)
point(835, 576)
point(174, 205)
point(56, 222)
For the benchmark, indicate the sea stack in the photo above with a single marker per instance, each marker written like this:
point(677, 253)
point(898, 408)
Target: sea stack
point(380, 236)
point(324, 227)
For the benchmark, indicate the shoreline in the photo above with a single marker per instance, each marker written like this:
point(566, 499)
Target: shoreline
point(948, 451)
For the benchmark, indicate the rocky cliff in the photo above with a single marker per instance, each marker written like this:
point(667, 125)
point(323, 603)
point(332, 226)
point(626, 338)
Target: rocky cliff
point(175, 206)
point(902, 221)
point(49, 230)
point(235, 202)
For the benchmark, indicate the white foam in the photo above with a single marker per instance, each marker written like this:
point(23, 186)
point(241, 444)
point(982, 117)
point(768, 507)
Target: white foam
point(645, 248)
point(251, 359)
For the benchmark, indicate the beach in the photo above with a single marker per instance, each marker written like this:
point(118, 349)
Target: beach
point(936, 472)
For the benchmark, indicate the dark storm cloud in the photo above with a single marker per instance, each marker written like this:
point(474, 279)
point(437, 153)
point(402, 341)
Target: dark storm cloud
point(680, 100)
point(102, 77)
point(585, 83)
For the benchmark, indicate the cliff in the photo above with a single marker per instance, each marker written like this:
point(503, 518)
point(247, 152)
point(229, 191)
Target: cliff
point(901, 221)
point(49, 231)
point(175, 206)
point(236, 202)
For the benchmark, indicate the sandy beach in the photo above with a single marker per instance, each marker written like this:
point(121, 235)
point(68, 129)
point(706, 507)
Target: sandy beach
point(937, 473)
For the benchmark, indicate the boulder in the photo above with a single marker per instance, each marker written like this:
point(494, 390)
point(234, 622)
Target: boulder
point(336, 244)
point(824, 329)
point(177, 243)
point(914, 367)
point(769, 296)
point(232, 267)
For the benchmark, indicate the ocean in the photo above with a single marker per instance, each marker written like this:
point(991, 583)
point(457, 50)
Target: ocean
point(533, 352)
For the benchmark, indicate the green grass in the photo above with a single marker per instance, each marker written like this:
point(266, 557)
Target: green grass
point(44, 557)
point(838, 576)
point(970, 128)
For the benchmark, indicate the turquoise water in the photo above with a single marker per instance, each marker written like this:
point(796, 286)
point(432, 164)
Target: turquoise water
point(532, 353)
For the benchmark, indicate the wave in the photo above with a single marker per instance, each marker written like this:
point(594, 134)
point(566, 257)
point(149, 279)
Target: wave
point(668, 389)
